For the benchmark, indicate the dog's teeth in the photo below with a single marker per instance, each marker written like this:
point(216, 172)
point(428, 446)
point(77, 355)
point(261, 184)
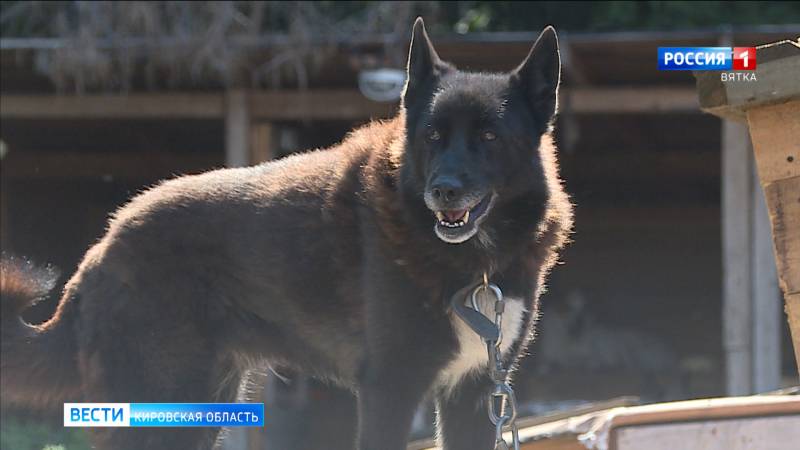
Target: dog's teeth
point(446, 223)
point(465, 219)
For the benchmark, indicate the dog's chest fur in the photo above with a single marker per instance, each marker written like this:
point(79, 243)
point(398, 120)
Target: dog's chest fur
point(471, 353)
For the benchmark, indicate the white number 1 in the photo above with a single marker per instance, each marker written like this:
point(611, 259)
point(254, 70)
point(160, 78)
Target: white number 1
point(744, 56)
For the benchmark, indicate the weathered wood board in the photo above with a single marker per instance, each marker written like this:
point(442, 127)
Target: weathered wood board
point(771, 107)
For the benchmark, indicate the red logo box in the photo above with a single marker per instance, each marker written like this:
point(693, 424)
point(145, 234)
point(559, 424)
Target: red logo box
point(744, 58)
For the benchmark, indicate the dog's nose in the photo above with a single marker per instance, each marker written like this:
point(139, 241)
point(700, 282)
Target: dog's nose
point(446, 189)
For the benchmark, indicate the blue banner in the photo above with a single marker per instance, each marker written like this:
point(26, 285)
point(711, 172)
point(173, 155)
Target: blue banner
point(695, 58)
point(163, 414)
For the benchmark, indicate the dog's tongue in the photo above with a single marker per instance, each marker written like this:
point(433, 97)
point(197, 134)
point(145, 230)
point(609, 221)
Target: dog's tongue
point(454, 215)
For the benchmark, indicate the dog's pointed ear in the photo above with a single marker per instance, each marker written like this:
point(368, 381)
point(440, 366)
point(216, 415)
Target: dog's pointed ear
point(424, 64)
point(540, 73)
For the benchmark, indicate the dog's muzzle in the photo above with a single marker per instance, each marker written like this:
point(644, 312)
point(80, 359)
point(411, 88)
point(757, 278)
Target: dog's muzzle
point(457, 219)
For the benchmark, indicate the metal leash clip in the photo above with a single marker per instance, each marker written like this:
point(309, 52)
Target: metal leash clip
point(502, 401)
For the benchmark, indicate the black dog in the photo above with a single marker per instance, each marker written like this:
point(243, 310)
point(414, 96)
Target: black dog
point(338, 262)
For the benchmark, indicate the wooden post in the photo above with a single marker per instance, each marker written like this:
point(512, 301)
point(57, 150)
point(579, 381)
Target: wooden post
point(237, 128)
point(736, 258)
point(750, 310)
point(238, 133)
point(770, 105)
point(263, 147)
point(262, 142)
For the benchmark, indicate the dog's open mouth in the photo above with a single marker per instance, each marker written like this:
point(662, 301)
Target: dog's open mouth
point(457, 226)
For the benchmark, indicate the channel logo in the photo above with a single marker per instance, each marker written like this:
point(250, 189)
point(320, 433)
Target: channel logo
point(706, 58)
point(163, 414)
point(744, 58)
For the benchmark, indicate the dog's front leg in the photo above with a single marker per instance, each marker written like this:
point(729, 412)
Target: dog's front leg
point(408, 341)
point(386, 407)
point(463, 421)
point(402, 365)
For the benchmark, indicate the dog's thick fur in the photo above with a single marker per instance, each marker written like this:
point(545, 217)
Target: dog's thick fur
point(326, 262)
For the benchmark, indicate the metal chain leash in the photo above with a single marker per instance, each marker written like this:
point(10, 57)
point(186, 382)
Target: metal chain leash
point(502, 402)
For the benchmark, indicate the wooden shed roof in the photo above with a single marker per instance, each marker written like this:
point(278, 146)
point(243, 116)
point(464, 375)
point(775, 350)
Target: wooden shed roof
point(621, 58)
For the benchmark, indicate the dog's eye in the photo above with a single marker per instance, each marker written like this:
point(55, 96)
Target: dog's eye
point(433, 136)
point(488, 135)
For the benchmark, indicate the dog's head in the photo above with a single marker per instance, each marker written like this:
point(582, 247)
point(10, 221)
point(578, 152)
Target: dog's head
point(473, 138)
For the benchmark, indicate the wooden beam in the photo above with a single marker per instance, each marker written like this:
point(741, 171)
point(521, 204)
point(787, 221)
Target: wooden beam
point(641, 166)
point(630, 100)
point(131, 106)
point(320, 104)
point(783, 200)
point(110, 165)
point(776, 73)
point(730, 434)
point(776, 133)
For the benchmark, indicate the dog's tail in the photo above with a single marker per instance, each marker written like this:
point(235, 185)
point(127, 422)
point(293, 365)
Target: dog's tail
point(38, 363)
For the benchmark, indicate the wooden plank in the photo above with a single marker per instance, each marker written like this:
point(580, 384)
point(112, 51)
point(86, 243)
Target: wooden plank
point(775, 130)
point(132, 106)
point(736, 261)
point(321, 104)
point(596, 428)
point(559, 443)
point(341, 105)
point(237, 128)
point(557, 416)
point(783, 200)
point(566, 442)
point(109, 165)
point(776, 141)
point(775, 84)
point(792, 309)
point(630, 100)
point(708, 409)
point(646, 167)
point(762, 433)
